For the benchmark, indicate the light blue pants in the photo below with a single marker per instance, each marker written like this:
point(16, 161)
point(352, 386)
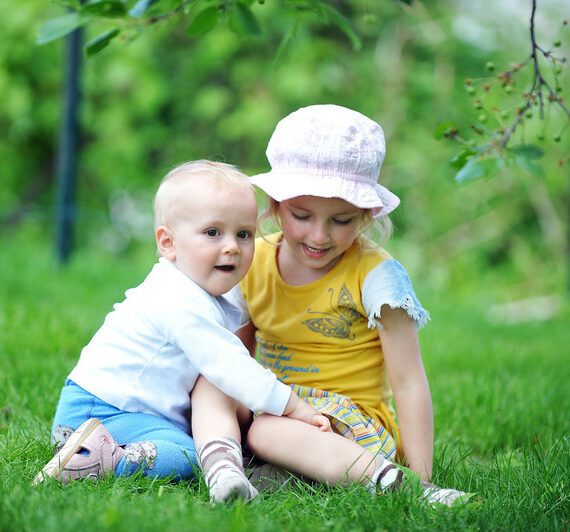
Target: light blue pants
point(153, 444)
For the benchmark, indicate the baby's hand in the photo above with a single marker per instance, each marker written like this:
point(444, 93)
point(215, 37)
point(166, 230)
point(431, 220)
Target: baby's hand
point(321, 421)
point(298, 409)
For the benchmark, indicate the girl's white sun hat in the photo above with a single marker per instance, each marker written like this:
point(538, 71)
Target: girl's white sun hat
point(331, 152)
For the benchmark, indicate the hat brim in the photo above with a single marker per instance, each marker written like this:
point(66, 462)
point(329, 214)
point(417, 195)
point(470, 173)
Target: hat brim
point(286, 185)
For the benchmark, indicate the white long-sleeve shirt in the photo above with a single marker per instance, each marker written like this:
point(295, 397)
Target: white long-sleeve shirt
point(147, 355)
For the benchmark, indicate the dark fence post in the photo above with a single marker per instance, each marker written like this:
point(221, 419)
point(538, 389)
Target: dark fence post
point(68, 149)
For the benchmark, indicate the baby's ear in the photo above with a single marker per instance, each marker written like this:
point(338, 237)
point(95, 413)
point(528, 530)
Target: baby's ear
point(165, 242)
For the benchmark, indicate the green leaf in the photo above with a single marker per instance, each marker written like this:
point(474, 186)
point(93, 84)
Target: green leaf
point(288, 38)
point(442, 128)
point(56, 28)
point(204, 21)
point(459, 160)
point(526, 155)
point(101, 41)
point(407, 2)
point(344, 25)
point(318, 7)
point(141, 7)
point(105, 8)
point(477, 168)
point(243, 21)
point(528, 151)
point(530, 165)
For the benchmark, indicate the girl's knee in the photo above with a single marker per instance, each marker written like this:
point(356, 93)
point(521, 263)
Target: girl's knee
point(260, 432)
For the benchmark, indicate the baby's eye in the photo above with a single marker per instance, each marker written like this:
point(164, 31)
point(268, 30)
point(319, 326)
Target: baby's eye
point(244, 235)
point(213, 232)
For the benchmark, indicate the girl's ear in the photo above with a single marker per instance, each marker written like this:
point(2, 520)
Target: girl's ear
point(273, 206)
point(165, 242)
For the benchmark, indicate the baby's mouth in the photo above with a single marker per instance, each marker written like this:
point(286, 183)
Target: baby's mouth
point(226, 268)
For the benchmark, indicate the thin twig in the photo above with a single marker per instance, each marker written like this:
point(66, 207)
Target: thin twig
point(539, 84)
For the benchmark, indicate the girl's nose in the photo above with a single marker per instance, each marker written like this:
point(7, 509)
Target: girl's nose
point(319, 233)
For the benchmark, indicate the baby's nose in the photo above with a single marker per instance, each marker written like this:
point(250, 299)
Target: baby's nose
point(231, 246)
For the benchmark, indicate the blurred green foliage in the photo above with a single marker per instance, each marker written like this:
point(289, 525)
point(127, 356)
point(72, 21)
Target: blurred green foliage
point(154, 98)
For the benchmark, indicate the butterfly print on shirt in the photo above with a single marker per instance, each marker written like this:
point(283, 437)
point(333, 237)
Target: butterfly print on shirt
point(336, 323)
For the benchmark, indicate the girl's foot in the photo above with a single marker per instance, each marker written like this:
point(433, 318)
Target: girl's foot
point(436, 496)
point(222, 464)
point(389, 477)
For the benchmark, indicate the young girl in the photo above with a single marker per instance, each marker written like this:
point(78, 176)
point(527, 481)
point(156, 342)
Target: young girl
point(333, 315)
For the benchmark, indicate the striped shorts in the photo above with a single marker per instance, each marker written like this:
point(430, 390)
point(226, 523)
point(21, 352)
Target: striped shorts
point(347, 419)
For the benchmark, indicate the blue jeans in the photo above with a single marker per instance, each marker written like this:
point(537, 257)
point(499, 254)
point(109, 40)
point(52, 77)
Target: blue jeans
point(153, 444)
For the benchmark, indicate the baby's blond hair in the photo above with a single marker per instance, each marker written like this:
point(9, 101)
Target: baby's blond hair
point(172, 183)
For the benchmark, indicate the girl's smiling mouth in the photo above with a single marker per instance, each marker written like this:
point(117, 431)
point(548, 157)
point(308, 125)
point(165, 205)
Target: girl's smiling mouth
point(315, 252)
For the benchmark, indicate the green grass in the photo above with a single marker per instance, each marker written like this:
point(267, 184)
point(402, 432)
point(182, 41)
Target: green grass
point(500, 394)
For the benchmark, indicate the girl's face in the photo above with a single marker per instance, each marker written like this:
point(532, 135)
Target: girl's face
point(316, 233)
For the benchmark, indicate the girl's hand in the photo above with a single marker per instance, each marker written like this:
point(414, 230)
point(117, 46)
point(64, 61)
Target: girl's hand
point(296, 408)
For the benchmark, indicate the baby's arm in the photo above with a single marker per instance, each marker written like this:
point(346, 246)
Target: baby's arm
point(410, 386)
point(296, 408)
point(247, 335)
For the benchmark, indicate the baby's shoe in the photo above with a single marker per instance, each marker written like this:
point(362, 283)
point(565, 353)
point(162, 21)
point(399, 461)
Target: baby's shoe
point(90, 452)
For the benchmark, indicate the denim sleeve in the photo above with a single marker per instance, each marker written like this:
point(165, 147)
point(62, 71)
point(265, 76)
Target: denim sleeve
point(389, 284)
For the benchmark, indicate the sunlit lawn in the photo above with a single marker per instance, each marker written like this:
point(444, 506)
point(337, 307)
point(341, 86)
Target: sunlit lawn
point(501, 397)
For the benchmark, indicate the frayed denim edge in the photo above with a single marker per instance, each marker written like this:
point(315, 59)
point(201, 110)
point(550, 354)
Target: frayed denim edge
point(418, 314)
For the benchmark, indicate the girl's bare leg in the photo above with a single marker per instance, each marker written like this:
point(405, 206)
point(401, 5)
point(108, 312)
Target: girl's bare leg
point(330, 458)
point(214, 414)
point(217, 436)
point(302, 448)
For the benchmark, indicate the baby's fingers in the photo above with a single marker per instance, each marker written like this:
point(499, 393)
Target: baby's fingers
point(322, 422)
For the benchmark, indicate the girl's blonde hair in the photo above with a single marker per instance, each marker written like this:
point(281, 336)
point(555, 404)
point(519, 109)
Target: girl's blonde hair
point(172, 183)
point(374, 232)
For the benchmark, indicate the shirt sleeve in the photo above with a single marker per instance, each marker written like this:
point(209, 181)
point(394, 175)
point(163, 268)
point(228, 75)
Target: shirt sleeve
point(199, 329)
point(240, 315)
point(389, 284)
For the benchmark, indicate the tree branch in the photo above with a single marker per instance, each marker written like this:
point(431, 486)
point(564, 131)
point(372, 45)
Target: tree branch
point(539, 84)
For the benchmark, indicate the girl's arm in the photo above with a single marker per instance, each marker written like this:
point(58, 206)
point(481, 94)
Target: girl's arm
point(410, 387)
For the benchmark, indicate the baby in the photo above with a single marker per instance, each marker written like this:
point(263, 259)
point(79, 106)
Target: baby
point(126, 405)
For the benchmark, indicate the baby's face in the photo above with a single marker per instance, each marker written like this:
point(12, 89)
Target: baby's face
point(213, 237)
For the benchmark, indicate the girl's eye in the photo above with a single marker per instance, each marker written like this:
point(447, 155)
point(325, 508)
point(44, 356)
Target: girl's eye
point(300, 216)
point(343, 222)
point(244, 235)
point(213, 232)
